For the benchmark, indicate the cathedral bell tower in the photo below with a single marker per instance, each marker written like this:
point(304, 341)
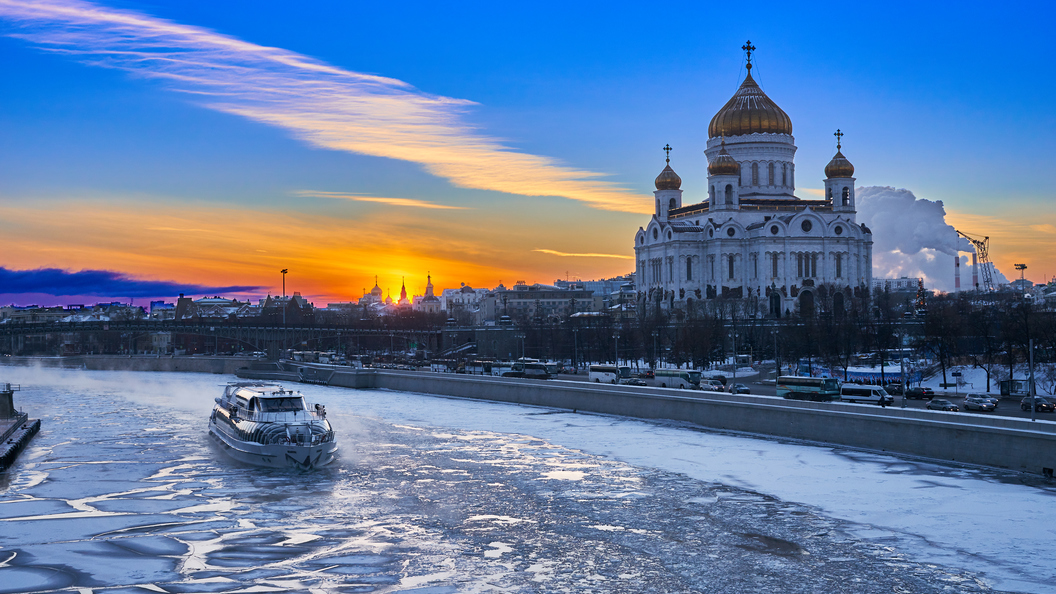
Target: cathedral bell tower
point(724, 181)
point(668, 193)
point(839, 180)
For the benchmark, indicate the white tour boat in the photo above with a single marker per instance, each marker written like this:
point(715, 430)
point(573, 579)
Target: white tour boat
point(264, 424)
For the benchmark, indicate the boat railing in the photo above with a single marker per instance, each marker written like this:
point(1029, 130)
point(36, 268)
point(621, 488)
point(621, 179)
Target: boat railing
point(292, 416)
point(304, 440)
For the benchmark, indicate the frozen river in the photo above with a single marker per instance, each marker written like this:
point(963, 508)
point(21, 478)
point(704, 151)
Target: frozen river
point(122, 491)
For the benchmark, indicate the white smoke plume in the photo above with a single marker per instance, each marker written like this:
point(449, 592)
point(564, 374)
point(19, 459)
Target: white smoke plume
point(912, 238)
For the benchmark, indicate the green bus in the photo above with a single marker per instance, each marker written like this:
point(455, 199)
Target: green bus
point(818, 389)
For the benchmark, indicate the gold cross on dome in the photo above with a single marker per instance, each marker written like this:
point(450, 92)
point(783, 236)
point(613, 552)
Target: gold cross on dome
point(667, 149)
point(839, 137)
point(749, 48)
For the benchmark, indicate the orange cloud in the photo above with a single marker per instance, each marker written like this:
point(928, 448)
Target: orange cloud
point(331, 256)
point(318, 103)
point(378, 199)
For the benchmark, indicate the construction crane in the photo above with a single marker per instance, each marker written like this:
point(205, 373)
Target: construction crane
point(982, 247)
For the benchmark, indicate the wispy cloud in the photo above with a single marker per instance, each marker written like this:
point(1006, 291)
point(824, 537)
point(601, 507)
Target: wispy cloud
point(321, 104)
point(54, 281)
point(379, 199)
point(568, 255)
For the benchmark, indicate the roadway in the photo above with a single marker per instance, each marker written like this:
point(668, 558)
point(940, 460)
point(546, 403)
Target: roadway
point(1008, 407)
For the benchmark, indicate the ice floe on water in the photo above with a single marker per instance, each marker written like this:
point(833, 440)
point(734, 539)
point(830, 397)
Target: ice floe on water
point(122, 491)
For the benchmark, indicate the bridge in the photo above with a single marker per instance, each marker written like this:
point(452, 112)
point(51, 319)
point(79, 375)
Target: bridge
point(207, 335)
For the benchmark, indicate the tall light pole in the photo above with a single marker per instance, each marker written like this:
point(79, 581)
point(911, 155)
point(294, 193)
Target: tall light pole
point(575, 350)
point(656, 355)
point(616, 344)
point(284, 271)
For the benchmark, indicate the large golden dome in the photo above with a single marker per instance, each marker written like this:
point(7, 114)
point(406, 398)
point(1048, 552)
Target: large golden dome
point(839, 166)
point(749, 111)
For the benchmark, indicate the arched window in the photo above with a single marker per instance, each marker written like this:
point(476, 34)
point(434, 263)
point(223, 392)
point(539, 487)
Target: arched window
point(711, 193)
point(689, 268)
point(806, 304)
point(729, 193)
point(784, 174)
point(731, 266)
point(846, 196)
point(770, 174)
point(755, 174)
point(671, 205)
point(828, 193)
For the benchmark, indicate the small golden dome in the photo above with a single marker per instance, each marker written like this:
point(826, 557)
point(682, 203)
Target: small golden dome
point(839, 166)
point(668, 179)
point(750, 111)
point(724, 163)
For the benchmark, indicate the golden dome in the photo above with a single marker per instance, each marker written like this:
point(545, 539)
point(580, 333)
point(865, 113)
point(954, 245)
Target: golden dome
point(749, 111)
point(668, 179)
point(839, 166)
point(724, 163)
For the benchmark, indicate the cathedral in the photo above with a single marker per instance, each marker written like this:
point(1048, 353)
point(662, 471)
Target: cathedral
point(752, 239)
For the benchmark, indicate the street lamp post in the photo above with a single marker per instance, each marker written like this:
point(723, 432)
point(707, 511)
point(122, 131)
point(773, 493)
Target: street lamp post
point(656, 353)
point(575, 350)
point(284, 271)
point(616, 344)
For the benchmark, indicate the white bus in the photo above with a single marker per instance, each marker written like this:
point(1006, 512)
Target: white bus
point(859, 393)
point(676, 378)
point(608, 374)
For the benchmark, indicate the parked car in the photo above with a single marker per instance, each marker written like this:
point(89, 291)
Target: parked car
point(941, 404)
point(634, 382)
point(739, 389)
point(712, 385)
point(647, 374)
point(1040, 405)
point(973, 402)
point(920, 393)
point(894, 388)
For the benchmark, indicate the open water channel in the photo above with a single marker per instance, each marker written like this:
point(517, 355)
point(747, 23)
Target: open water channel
point(123, 491)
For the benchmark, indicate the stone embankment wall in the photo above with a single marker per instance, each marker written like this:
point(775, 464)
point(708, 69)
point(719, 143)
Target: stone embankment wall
point(1003, 442)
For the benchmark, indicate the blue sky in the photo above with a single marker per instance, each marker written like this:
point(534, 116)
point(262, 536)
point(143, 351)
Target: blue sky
point(953, 102)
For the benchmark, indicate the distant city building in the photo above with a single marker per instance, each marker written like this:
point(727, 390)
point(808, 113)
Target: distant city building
point(752, 238)
point(612, 291)
point(428, 303)
point(1022, 285)
point(537, 301)
point(904, 283)
point(160, 310)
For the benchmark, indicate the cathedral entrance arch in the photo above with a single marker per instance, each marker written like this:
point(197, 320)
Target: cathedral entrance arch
point(806, 304)
point(837, 304)
point(775, 303)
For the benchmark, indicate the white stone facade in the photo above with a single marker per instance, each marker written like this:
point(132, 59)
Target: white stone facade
point(751, 238)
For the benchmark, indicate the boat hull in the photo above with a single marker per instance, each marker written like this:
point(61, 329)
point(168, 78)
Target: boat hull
point(300, 457)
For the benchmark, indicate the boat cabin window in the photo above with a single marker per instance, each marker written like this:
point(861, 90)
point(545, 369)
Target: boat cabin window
point(269, 405)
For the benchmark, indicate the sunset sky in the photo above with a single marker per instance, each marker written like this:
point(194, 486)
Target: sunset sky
point(149, 148)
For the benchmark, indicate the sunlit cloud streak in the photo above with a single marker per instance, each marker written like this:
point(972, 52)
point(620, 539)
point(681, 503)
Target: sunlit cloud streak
point(379, 199)
point(54, 281)
point(568, 255)
point(321, 104)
